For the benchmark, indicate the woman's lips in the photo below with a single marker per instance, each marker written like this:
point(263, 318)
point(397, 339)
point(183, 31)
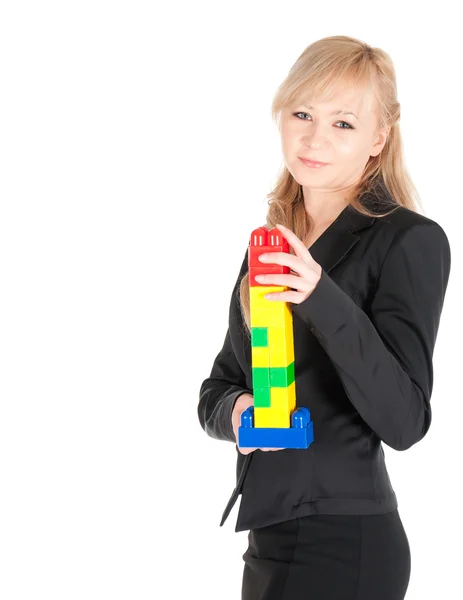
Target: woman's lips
point(312, 163)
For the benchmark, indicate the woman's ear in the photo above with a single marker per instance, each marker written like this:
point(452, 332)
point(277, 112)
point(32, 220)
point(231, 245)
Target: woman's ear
point(380, 141)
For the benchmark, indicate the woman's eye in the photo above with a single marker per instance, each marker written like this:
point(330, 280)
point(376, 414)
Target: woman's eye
point(304, 113)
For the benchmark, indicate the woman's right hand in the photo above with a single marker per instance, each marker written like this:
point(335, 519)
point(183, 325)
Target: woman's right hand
point(242, 403)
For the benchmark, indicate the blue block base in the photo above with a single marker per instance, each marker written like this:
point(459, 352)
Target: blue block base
point(299, 435)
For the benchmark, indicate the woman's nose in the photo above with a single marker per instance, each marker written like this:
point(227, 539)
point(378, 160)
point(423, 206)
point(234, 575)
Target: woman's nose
point(316, 137)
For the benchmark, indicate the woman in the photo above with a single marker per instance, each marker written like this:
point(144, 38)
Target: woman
point(366, 289)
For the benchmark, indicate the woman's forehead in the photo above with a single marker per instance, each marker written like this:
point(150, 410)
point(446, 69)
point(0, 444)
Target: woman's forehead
point(340, 90)
point(355, 98)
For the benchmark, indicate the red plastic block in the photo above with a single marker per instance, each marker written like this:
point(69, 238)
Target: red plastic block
point(259, 237)
point(266, 270)
point(263, 241)
point(255, 251)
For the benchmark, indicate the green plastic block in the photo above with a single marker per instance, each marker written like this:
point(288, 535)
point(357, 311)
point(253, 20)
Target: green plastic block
point(282, 376)
point(261, 397)
point(260, 377)
point(259, 337)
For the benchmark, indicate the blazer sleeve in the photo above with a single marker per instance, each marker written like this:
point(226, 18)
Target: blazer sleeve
point(384, 360)
point(227, 381)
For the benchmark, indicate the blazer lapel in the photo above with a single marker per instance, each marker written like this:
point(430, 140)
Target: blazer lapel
point(335, 243)
point(339, 238)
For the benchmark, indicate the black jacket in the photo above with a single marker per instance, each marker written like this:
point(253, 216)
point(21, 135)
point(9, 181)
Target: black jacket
point(364, 341)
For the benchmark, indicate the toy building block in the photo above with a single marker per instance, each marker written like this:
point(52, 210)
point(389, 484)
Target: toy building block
point(274, 421)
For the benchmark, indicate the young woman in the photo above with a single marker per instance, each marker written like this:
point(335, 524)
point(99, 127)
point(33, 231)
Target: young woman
point(366, 289)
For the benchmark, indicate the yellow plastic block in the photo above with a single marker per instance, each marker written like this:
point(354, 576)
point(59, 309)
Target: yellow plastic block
point(260, 356)
point(283, 403)
point(274, 315)
point(266, 417)
point(265, 313)
point(283, 399)
point(281, 344)
point(257, 293)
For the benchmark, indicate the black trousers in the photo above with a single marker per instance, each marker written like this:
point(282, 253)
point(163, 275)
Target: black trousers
point(328, 557)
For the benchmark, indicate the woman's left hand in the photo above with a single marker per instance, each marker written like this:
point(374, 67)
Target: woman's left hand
point(301, 262)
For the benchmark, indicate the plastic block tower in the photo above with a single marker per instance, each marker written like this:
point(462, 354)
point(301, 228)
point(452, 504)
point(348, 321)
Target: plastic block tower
point(273, 421)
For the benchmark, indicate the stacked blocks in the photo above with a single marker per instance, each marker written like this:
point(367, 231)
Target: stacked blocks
point(273, 421)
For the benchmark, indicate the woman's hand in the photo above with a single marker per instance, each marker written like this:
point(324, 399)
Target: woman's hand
point(243, 402)
point(301, 262)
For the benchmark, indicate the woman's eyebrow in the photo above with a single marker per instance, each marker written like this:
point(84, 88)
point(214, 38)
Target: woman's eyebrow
point(337, 112)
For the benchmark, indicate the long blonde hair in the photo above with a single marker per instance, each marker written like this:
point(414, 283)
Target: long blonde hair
point(321, 69)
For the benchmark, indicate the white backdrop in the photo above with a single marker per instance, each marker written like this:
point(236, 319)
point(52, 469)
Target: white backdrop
point(137, 150)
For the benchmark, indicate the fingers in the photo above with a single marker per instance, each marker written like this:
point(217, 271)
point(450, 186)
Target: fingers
point(249, 450)
point(296, 244)
point(281, 258)
point(293, 297)
point(290, 281)
point(246, 450)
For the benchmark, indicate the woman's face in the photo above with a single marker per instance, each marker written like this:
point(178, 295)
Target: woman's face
point(345, 141)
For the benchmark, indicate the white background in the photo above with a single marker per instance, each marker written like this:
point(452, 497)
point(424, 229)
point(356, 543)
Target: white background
point(137, 150)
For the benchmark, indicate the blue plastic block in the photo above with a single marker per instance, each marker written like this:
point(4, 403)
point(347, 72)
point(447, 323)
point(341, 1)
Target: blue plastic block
point(299, 435)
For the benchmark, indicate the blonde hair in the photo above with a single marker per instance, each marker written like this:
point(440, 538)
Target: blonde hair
point(321, 69)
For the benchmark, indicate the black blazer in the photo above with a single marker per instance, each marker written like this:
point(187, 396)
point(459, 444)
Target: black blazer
point(363, 342)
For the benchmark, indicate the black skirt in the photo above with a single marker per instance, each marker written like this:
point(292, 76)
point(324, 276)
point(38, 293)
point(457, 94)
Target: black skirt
point(328, 557)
